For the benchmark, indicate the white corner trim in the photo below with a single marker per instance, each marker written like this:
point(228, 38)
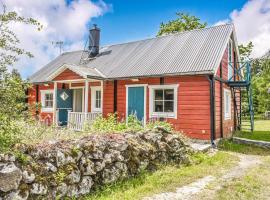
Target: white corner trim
point(42, 93)
point(227, 116)
point(145, 93)
point(153, 114)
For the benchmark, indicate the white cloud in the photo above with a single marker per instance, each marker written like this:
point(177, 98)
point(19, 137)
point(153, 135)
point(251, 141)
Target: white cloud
point(61, 22)
point(252, 23)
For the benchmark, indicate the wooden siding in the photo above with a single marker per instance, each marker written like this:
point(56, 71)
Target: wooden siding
point(228, 125)
point(67, 74)
point(193, 116)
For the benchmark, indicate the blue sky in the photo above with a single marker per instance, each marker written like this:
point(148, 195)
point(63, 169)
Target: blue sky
point(133, 20)
point(127, 20)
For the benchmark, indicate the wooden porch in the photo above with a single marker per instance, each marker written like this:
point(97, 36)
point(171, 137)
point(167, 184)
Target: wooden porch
point(78, 120)
point(91, 94)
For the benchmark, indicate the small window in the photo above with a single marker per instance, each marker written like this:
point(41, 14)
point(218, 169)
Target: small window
point(230, 60)
point(163, 101)
point(227, 104)
point(96, 99)
point(46, 100)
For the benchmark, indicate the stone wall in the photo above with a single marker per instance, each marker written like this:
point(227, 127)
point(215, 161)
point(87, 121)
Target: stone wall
point(77, 167)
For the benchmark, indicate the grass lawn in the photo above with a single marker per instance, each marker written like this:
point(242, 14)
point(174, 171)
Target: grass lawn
point(254, 185)
point(261, 132)
point(167, 178)
point(230, 146)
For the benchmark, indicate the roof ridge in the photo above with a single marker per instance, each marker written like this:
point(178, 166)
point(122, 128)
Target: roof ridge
point(170, 34)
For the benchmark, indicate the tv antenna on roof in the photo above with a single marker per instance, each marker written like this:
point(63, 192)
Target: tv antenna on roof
point(58, 44)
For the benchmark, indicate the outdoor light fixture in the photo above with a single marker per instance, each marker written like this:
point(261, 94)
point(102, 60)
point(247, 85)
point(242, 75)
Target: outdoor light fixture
point(135, 80)
point(46, 84)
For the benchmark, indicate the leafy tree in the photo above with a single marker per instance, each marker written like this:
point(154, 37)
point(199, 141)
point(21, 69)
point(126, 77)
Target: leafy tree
point(12, 87)
point(183, 22)
point(260, 74)
point(245, 51)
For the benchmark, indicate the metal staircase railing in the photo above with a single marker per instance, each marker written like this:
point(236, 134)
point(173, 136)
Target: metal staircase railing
point(241, 87)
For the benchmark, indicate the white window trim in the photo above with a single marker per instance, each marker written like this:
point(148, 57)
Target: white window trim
point(145, 92)
point(229, 66)
point(93, 99)
point(153, 114)
point(43, 92)
point(227, 116)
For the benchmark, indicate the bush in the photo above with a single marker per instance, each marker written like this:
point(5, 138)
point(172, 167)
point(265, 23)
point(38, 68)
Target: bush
point(112, 124)
point(164, 124)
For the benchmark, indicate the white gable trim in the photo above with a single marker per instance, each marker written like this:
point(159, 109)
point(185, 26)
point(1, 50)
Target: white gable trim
point(62, 69)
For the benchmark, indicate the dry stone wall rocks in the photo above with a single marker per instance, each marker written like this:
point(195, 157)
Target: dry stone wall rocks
point(77, 167)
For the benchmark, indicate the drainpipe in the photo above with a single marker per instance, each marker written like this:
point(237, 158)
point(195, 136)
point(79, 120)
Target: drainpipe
point(212, 108)
point(221, 103)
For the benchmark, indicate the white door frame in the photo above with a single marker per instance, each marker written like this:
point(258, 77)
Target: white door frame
point(145, 93)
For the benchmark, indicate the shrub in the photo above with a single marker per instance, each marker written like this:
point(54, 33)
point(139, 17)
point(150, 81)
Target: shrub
point(164, 124)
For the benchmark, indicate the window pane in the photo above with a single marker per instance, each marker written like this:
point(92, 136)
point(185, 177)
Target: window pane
point(168, 94)
point(98, 94)
point(97, 103)
point(158, 94)
point(168, 106)
point(158, 106)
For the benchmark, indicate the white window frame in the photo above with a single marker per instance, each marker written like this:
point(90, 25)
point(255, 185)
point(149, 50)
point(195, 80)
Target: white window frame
point(153, 114)
point(93, 98)
point(230, 50)
point(43, 93)
point(227, 115)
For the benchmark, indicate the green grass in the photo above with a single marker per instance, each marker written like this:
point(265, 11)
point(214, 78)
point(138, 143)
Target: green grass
point(254, 185)
point(229, 145)
point(166, 178)
point(261, 132)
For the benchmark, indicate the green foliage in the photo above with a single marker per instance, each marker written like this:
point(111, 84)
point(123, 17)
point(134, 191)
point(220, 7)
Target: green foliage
point(229, 145)
point(12, 87)
point(260, 79)
point(21, 157)
point(108, 124)
point(166, 178)
point(59, 176)
point(183, 22)
point(8, 39)
point(112, 124)
point(245, 51)
point(164, 124)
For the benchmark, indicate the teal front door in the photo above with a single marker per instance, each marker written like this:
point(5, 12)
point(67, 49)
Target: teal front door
point(64, 103)
point(136, 102)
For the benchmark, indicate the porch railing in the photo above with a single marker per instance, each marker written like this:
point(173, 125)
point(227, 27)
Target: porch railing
point(77, 120)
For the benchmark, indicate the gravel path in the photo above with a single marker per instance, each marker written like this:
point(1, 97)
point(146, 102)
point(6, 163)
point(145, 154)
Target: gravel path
point(193, 190)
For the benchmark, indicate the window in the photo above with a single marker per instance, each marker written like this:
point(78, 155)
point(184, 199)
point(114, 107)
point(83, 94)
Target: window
point(227, 104)
point(163, 101)
point(46, 100)
point(96, 99)
point(230, 60)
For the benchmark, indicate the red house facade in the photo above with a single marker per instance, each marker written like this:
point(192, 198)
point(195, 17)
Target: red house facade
point(180, 78)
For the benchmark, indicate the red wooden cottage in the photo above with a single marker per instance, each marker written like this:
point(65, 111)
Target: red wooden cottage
point(181, 78)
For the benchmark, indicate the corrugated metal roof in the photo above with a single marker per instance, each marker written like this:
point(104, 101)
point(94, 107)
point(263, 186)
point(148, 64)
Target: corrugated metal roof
point(190, 52)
